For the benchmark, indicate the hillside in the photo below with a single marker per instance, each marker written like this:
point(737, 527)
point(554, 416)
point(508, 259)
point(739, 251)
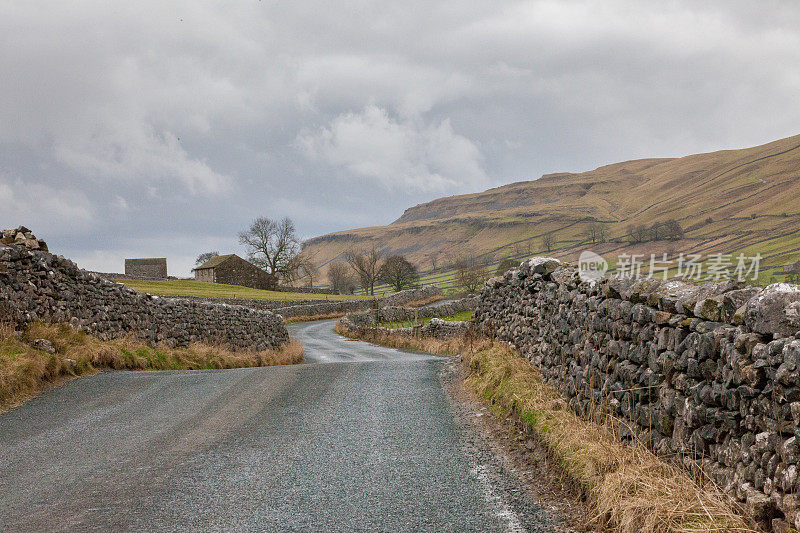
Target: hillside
point(728, 201)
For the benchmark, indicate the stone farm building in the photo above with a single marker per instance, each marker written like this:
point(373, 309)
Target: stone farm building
point(234, 270)
point(151, 268)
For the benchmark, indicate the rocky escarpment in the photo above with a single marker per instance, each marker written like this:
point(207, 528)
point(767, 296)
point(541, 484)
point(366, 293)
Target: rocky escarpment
point(710, 374)
point(36, 285)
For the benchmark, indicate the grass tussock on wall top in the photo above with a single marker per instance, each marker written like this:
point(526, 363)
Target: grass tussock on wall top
point(630, 489)
point(25, 370)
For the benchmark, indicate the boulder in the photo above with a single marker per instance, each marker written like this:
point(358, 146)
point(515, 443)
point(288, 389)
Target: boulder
point(776, 309)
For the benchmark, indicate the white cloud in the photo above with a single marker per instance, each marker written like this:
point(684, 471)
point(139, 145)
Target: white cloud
point(42, 208)
point(399, 155)
point(136, 156)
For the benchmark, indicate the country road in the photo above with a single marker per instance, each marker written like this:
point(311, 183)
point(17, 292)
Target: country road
point(362, 438)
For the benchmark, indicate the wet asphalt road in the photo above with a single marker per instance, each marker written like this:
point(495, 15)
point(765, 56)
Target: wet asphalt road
point(367, 441)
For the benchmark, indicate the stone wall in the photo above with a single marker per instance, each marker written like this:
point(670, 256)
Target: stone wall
point(346, 306)
point(294, 308)
point(402, 314)
point(154, 268)
point(709, 374)
point(36, 285)
point(436, 328)
point(306, 290)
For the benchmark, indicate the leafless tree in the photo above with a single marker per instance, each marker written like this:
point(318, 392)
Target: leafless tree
point(340, 278)
point(302, 267)
point(202, 258)
point(366, 264)
point(596, 233)
point(673, 229)
point(272, 245)
point(637, 234)
point(434, 259)
point(470, 274)
point(548, 241)
point(398, 272)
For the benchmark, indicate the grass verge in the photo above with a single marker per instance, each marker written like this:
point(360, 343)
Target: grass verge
point(25, 371)
point(628, 487)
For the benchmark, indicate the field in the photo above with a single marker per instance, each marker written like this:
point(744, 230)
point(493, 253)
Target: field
point(463, 315)
point(220, 290)
point(729, 202)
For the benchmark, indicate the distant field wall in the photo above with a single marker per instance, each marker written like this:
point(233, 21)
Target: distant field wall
point(296, 308)
point(706, 374)
point(36, 285)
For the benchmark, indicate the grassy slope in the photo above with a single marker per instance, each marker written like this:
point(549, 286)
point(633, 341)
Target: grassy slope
point(220, 290)
point(25, 371)
point(729, 202)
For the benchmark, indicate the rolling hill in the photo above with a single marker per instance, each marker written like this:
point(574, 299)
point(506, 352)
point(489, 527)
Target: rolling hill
point(730, 201)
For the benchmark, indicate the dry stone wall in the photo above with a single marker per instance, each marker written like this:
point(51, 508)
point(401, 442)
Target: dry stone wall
point(36, 285)
point(295, 308)
point(708, 373)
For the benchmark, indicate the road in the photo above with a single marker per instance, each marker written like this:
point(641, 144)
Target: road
point(362, 438)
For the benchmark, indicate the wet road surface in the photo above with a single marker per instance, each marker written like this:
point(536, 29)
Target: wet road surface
point(362, 438)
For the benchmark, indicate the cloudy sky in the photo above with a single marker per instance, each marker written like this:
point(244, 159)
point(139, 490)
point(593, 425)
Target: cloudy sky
point(162, 128)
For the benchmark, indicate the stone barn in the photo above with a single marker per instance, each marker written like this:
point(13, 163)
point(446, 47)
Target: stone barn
point(234, 270)
point(150, 268)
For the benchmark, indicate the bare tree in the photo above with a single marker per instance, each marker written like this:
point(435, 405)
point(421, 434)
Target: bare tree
point(366, 264)
point(272, 245)
point(548, 241)
point(470, 274)
point(434, 259)
point(398, 272)
point(302, 267)
point(673, 229)
point(202, 258)
point(596, 233)
point(637, 234)
point(340, 278)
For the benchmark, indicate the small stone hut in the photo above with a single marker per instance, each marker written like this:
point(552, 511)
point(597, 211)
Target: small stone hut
point(234, 270)
point(149, 268)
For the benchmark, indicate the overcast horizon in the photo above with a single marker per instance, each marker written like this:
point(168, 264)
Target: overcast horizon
point(150, 130)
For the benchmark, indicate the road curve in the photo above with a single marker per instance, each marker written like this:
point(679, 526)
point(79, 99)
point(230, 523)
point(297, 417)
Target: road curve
point(372, 444)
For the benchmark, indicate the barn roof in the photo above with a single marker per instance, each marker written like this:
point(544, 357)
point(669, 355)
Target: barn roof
point(215, 261)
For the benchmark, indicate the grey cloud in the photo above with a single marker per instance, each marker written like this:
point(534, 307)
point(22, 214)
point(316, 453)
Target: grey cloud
point(162, 129)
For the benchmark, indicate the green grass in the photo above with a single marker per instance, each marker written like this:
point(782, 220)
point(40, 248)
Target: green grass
point(463, 315)
point(221, 290)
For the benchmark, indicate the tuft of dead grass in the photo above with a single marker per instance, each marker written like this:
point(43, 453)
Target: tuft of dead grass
point(26, 371)
point(630, 488)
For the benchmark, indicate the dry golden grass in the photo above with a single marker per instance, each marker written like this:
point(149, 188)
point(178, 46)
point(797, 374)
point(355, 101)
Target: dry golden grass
point(629, 488)
point(25, 371)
